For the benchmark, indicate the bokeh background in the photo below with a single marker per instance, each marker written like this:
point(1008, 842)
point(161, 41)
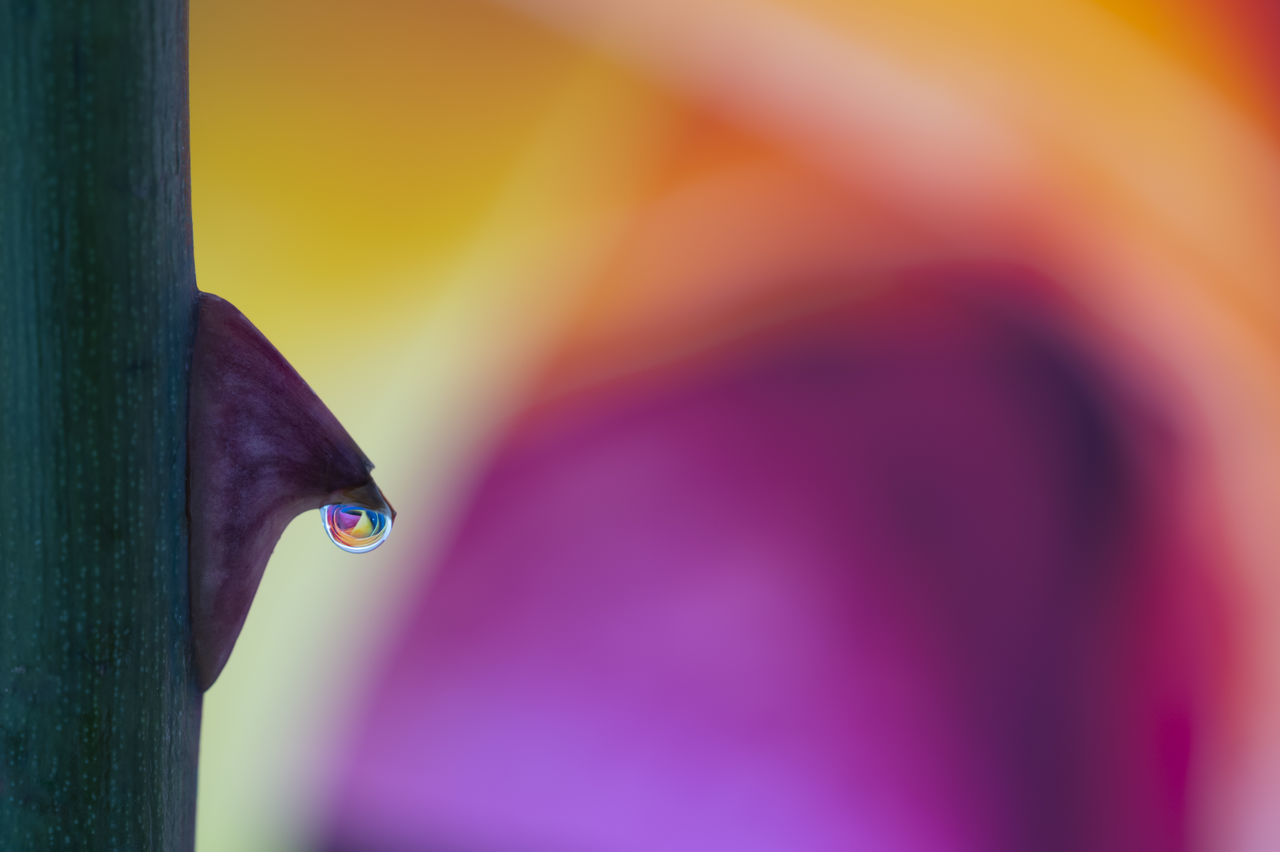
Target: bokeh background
point(468, 222)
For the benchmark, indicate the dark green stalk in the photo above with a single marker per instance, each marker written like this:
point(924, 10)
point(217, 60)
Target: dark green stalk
point(99, 710)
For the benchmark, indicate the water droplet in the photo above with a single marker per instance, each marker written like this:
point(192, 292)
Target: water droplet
point(355, 529)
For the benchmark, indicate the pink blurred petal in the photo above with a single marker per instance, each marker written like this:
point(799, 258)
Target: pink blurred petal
point(905, 575)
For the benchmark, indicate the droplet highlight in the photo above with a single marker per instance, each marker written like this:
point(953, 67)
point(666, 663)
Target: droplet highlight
point(355, 529)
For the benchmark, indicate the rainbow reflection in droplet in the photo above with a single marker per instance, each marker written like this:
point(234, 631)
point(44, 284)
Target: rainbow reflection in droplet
point(355, 529)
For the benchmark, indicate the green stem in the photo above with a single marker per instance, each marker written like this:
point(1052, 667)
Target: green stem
point(99, 710)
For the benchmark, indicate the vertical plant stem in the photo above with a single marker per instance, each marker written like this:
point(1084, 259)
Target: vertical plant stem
point(99, 711)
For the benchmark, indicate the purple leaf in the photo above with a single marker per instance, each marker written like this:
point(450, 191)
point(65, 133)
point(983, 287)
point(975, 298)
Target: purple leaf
point(262, 449)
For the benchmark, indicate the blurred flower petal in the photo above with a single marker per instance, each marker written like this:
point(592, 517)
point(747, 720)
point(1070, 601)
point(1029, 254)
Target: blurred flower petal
point(904, 575)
